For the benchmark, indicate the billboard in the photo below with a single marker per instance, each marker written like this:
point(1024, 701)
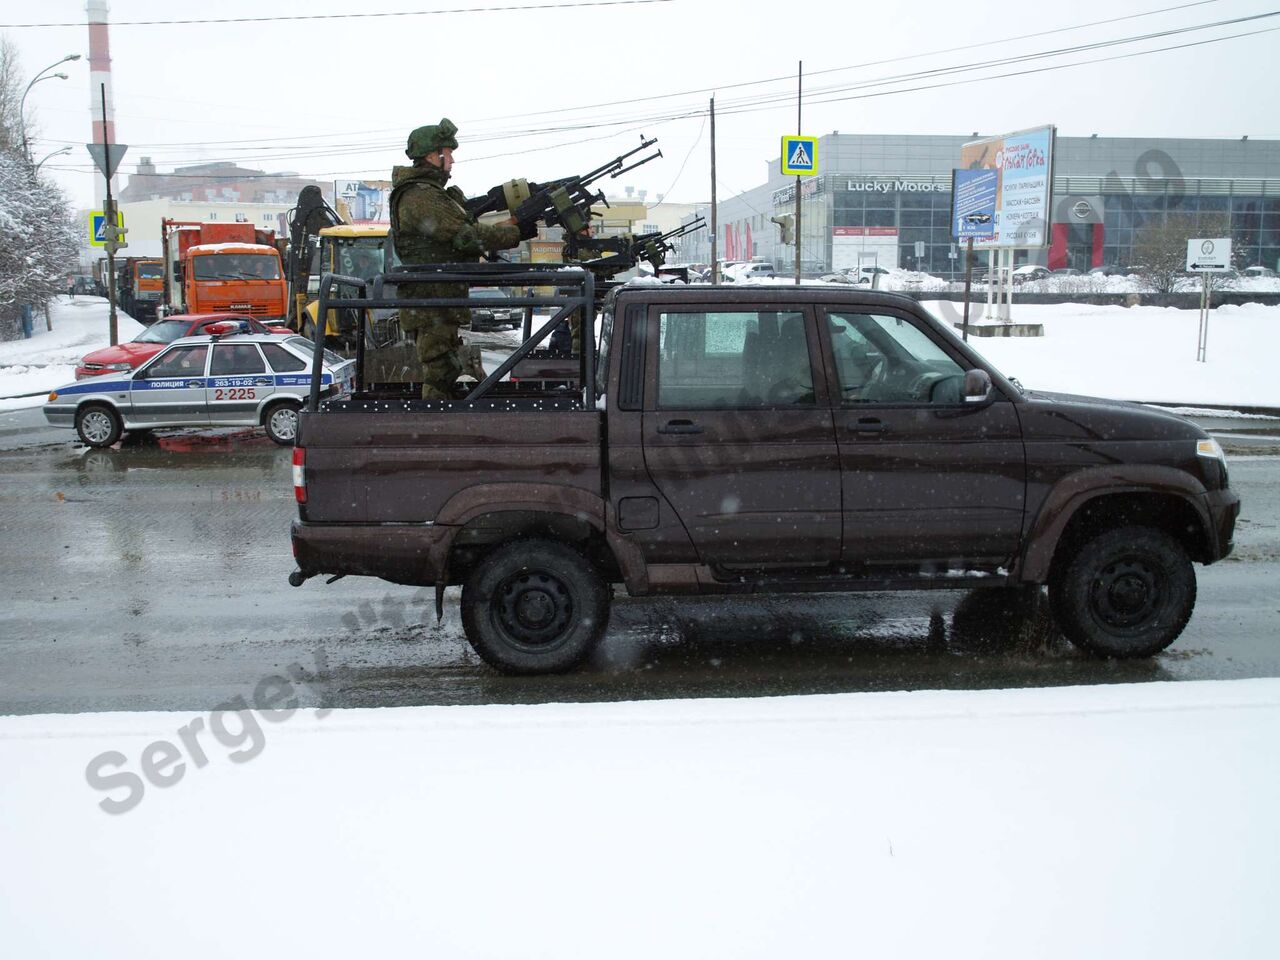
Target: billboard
point(364, 200)
point(1023, 165)
point(854, 247)
point(973, 203)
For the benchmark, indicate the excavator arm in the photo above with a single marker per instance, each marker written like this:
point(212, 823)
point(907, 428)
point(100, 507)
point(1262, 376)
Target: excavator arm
point(311, 215)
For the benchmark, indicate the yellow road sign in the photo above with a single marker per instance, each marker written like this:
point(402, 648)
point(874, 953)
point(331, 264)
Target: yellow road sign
point(799, 156)
point(97, 221)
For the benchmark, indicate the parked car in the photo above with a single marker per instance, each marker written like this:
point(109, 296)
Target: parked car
point(753, 270)
point(1030, 272)
point(124, 357)
point(1257, 272)
point(1067, 272)
point(866, 274)
point(223, 378)
point(1106, 270)
point(82, 286)
point(495, 313)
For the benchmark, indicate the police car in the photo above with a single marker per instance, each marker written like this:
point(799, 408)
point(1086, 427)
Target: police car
point(227, 379)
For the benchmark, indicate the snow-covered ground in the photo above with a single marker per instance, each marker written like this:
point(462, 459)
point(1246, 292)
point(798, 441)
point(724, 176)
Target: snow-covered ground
point(1111, 821)
point(1138, 353)
point(49, 358)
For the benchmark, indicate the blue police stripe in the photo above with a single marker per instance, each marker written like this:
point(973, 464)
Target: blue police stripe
point(106, 385)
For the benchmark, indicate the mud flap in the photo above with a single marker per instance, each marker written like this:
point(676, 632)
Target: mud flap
point(439, 600)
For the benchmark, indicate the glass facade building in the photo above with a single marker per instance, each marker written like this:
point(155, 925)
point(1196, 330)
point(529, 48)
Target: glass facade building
point(887, 200)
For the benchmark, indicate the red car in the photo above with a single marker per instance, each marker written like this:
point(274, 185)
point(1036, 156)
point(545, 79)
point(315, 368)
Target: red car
point(129, 356)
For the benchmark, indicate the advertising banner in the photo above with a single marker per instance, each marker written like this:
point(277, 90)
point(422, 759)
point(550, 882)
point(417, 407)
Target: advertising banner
point(1023, 165)
point(363, 201)
point(973, 204)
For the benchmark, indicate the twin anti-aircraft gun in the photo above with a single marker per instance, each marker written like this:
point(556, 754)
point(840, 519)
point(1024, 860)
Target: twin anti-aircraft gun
point(567, 203)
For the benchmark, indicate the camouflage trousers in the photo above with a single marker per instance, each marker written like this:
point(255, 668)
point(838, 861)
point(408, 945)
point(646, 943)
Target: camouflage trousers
point(435, 330)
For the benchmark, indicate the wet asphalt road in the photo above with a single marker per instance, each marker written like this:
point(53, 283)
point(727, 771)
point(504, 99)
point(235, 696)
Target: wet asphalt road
point(152, 577)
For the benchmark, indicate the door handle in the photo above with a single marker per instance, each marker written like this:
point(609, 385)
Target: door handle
point(262, 382)
point(195, 383)
point(867, 425)
point(679, 426)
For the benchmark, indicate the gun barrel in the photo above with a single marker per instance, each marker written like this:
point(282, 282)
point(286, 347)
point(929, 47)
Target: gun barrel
point(617, 161)
point(638, 163)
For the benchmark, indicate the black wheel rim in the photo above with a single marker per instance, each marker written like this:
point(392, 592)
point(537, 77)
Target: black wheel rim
point(1126, 593)
point(534, 609)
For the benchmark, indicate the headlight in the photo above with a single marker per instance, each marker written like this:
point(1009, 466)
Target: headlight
point(118, 366)
point(1210, 448)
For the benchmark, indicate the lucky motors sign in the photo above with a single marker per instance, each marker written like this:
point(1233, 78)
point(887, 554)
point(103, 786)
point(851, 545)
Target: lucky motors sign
point(1023, 164)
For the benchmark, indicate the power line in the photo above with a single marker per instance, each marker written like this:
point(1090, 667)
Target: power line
point(261, 141)
point(346, 16)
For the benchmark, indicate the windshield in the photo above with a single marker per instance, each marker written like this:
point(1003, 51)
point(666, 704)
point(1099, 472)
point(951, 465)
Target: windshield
point(356, 256)
point(166, 331)
point(236, 266)
point(308, 348)
point(488, 293)
point(151, 271)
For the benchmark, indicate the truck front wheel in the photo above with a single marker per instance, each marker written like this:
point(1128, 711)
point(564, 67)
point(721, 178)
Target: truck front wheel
point(534, 606)
point(1125, 593)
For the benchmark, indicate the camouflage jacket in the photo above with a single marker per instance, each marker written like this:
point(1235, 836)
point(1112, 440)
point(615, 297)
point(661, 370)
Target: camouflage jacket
point(431, 224)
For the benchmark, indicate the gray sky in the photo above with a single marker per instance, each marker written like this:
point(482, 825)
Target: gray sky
point(336, 98)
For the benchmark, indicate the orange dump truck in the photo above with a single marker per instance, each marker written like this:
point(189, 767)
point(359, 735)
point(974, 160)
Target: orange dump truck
point(140, 286)
point(223, 268)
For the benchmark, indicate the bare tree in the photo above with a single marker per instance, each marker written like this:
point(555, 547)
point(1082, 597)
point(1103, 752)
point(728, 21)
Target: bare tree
point(10, 97)
point(1161, 249)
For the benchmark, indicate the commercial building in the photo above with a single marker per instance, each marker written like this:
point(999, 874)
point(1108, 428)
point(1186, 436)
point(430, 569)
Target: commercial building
point(887, 200)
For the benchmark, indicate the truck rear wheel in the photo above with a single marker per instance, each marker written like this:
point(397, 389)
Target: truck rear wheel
point(1125, 593)
point(534, 606)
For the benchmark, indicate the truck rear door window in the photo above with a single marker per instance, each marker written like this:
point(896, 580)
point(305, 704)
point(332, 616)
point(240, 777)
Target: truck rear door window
point(732, 359)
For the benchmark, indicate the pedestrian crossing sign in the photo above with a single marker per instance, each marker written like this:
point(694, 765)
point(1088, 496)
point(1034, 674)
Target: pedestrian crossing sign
point(799, 156)
point(97, 225)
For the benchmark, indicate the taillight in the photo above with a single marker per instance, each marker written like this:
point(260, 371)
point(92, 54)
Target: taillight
point(300, 474)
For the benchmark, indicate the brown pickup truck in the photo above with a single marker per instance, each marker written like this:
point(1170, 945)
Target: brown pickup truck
point(749, 439)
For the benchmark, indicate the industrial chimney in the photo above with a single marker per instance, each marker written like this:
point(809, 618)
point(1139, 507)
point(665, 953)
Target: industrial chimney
point(100, 75)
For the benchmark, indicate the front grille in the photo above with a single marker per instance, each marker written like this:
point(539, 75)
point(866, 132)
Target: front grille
point(253, 309)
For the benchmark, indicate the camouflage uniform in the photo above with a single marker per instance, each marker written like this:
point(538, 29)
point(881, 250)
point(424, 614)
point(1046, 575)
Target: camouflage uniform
point(431, 225)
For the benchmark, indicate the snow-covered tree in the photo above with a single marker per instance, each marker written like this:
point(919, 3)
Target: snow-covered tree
point(38, 236)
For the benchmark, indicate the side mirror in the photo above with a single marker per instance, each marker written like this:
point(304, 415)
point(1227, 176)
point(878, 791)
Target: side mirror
point(977, 386)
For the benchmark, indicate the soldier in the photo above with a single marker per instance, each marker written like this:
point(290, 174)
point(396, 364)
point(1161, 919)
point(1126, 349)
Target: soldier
point(431, 225)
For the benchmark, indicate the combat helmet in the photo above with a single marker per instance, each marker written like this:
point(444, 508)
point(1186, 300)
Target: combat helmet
point(427, 140)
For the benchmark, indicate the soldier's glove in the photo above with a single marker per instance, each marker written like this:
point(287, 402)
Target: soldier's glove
point(528, 229)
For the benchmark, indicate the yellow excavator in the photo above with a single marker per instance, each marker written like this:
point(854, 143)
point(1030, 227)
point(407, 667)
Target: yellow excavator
point(321, 241)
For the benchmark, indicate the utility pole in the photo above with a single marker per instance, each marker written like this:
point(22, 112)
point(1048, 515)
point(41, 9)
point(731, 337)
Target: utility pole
point(109, 230)
point(799, 132)
point(715, 222)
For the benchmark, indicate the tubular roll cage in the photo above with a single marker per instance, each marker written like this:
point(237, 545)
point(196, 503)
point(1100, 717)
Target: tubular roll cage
point(581, 297)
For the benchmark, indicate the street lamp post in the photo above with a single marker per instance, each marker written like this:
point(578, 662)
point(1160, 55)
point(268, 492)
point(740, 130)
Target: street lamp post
point(22, 116)
point(49, 156)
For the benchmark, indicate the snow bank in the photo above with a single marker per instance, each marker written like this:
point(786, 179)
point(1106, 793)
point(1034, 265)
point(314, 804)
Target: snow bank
point(50, 357)
point(1126, 820)
point(1138, 353)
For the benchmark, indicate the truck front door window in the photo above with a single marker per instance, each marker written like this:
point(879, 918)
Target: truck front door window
point(883, 359)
